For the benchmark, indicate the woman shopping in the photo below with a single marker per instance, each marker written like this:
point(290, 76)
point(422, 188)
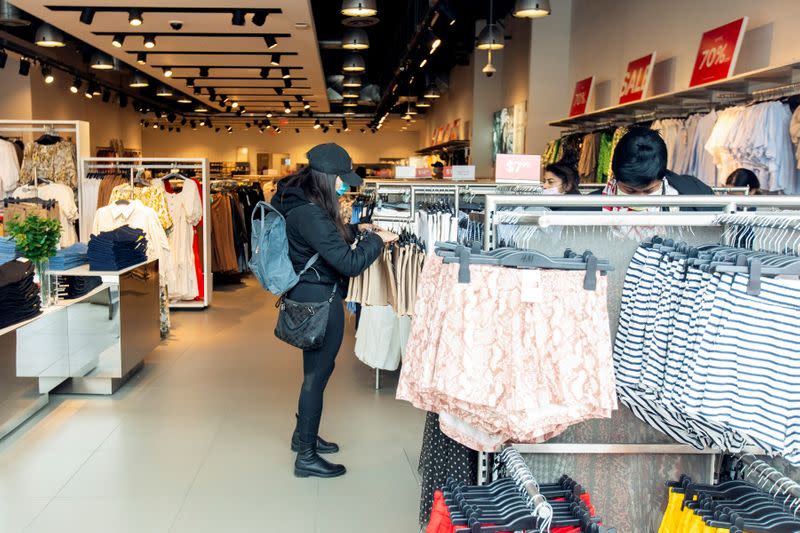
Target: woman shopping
point(309, 202)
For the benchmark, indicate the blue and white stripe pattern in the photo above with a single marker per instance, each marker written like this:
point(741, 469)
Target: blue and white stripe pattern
point(704, 362)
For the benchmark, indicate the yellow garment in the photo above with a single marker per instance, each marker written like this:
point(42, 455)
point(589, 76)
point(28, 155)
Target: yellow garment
point(669, 524)
point(153, 197)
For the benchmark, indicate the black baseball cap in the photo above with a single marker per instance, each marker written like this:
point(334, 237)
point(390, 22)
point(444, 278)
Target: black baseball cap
point(330, 158)
point(438, 164)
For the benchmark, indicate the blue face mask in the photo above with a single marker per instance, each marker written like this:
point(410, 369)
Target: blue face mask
point(343, 188)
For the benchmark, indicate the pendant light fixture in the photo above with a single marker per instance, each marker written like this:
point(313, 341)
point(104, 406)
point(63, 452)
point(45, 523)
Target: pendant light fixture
point(11, 16)
point(350, 103)
point(354, 63)
point(432, 92)
point(352, 81)
point(49, 37)
point(359, 8)
point(491, 37)
point(184, 100)
point(532, 8)
point(135, 17)
point(138, 81)
point(423, 103)
point(101, 61)
point(163, 90)
point(201, 109)
point(47, 74)
point(350, 93)
point(355, 39)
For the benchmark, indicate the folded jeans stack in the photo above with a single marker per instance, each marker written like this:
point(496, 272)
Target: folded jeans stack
point(67, 258)
point(77, 286)
point(19, 295)
point(117, 249)
point(8, 249)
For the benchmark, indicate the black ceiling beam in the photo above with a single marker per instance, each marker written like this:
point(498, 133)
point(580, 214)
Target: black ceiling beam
point(151, 51)
point(252, 87)
point(227, 78)
point(175, 67)
point(191, 34)
point(116, 9)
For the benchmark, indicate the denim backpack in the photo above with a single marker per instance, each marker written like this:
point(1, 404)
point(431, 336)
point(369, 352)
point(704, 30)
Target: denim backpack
point(270, 261)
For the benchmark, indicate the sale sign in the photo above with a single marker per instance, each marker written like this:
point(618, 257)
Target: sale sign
point(637, 79)
point(581, 96)
point(518, 168)
point(719, 50)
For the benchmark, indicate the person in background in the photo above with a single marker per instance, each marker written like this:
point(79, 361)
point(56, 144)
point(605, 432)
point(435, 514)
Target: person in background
point(560, 178)
point(743, 177)
point(438, 170)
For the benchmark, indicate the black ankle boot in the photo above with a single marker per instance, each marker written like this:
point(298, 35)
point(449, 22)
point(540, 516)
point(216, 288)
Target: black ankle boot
point(323, 446)
point(310, 464)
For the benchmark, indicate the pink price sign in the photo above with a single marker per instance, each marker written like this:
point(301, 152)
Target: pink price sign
point(518, 168)
point(718, 52)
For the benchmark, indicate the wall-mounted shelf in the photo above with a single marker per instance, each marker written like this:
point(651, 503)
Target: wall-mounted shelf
point(449, 146)
point(744, 87)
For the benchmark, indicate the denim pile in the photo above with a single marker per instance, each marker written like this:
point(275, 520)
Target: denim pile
point(19, 295)
point(117, 249)
point(77, 286)
point(8, 249)
point(67, 258)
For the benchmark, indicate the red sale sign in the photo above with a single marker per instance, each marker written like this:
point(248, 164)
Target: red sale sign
point(719, 49)
point(637, 79)
point(518, 168)
point(581, 96)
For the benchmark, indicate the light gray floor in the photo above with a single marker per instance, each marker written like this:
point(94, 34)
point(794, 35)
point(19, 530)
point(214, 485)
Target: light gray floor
point(198, 442)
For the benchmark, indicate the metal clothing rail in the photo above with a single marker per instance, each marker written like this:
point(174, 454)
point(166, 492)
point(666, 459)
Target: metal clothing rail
point(768, 474)
point(91, 164)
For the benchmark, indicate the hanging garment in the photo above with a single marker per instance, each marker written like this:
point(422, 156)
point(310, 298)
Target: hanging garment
point(153, 197)
point(185, 210)
point(20, 209)
point(107, 186)
point(224, 254)
point(55, 162)
point(587, 164)
point(604, 157)
point(9, 168)
point(68, 211)
point(700, 163)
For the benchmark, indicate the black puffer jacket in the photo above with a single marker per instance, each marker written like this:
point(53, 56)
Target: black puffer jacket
point(310, 230)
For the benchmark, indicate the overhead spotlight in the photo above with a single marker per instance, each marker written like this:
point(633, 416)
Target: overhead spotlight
point(317, 125)
point(163, 90)
point(260, 17)
point(433, 43)
point(432, 92)
point(325, 129)
point(184, 100)
point(139, 80)
point(49, 37)
point(47, 74)
point(118, 40)
point(353, 63)
point(162, 127)
point(277, 129)
point(297, 130)
point(145, 124)
point(267, 124)
point(149, 41)
point(203, 72)
point(330, 123)
point(306, 106)
point(247, 125)
point(240, 111)
point(193, 124)
point(190, 82)
point(269, 114)
point(338, 130)
point(228, 109)
point(24, 67)
point(183, 121)
point(123, 100)
point(363, 130)
point(287, 84)
point(261, 129)
point(271, 41)
point(423, 103)
point(155, 126)
point(3, 58)
point(135, 17)
point(216, 130)
point(355, 39)
point(285, 73)
point(350, 103)
point(87, 15)
point(532, 8)
point(167, 72)
point(106, 95)
point(238, 17)
point(359, 8)
point(141, 58)
point(202, 122)
point(229, 128)
point(423, 62)
point(352, 81)
point(89, 93)
point(491, 38)
point(349, 112)
point(201, 109)
point(101, 61)
point(76, 85)
point(345, 127)
point(234, 104)
point(278, 90)
point(264, 72)
point(350, 93)
point(298, 98)
point(287, 108)
point(197, 90)
point(275, 60)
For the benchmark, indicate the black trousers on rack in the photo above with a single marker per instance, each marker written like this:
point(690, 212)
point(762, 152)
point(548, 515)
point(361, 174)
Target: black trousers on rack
point(317, 364)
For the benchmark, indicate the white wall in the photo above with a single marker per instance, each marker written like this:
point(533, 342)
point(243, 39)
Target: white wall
point(455, 103)
point(204, 142)
point(15, 93)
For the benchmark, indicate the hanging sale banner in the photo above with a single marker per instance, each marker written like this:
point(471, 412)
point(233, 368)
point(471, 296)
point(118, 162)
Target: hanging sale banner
point(581, 96)
point(637, 79)
point(719, 50)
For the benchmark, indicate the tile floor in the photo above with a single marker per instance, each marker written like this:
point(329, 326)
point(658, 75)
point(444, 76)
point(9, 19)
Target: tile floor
point(197, 442)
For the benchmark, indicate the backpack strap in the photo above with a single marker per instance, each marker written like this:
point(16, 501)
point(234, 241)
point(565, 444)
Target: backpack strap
point(309, 264)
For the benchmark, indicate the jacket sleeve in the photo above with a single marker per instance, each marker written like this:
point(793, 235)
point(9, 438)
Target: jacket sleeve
point(321, 234)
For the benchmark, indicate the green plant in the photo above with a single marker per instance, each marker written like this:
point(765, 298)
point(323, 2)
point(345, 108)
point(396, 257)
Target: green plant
point(36, 237)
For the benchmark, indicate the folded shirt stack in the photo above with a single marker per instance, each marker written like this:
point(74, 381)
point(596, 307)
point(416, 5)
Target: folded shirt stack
point(117, 249)
point(8, 249)
point(77, 286)
point(67, 258)
point(19, 295)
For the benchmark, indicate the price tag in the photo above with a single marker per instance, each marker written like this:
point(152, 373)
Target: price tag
point(718, 52)
point(463, 172)
point(405, 172)
point(518, 168)
point(423, 172)
point(531, 292)
point(581, 96)
point(637, 79)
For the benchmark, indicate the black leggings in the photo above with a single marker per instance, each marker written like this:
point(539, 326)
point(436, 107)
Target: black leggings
point(317, 364)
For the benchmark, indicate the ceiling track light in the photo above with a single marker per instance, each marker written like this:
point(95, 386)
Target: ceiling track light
point(359, 8)
point(76, 85)
point(149, 41)
point(285, 73)
point(317, 125)
point(135, 17)
point(269, 114)
point(287, 84)
point(167, 72)
point(298, 98)
point(238, 17)
point(355, 39)
point(260, 17)
point(87, 15)
point(287, 108)
point(275, 60)
point(264, 72)
point(24, 67)
point(204, 72)
point(47, 74)
point(141, 58)
point(49, 37)
point(531, 8)
point(101, 61)
point(190, 82)
point(278, 91)
point(197, 90)
point(306, 106)
point(118, 40)
point(352, 81)
point(3, 58)
point(270, 41)
point(138, 81)
point(235, 104)
point(106, 95)
point(353, 63)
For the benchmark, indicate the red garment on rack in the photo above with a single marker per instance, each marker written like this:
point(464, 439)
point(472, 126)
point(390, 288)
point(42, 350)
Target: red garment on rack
point(440, 517)
point(198, 264)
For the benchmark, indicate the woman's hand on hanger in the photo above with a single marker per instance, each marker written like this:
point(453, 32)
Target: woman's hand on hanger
point(387, 236)
point(367, 227)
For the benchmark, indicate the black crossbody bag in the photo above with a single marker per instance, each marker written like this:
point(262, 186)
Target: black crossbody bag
point(303, 324)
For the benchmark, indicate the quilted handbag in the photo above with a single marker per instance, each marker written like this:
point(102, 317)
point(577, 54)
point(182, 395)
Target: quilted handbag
point(303, 324)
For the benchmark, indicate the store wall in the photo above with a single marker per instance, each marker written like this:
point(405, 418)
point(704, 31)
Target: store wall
point(15, 93)
point(363, 147)
point(455, 103)
point(607, 34)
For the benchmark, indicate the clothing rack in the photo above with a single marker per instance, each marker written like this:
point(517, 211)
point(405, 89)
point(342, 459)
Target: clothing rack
point(766, 474)
point(522, 475)
point(133, 164)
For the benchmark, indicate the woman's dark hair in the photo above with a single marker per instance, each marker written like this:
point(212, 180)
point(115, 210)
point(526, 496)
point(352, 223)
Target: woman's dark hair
point(640, 158)
point(743, 177)
point(568, 176)
point(320, 189)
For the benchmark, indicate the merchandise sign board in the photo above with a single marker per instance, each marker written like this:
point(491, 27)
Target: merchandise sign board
point(404, 172)
point(518, 168)
point(637, 79)
point(423, 172)
point(581, 96)
point(719, 50)
point(463, 172)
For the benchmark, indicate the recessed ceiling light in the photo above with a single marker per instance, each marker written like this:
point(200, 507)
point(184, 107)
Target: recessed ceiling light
point(49, 37)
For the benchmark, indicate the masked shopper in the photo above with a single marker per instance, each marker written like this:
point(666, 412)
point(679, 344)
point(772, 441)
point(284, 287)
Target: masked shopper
point(560, 178)
point(309, 202)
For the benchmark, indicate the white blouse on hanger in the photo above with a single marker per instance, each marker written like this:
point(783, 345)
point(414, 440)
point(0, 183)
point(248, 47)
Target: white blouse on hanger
point(68, 211)
point(9, 168)
point(186, 209)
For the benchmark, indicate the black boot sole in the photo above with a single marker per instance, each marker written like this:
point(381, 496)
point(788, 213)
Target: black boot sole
point(307, 473)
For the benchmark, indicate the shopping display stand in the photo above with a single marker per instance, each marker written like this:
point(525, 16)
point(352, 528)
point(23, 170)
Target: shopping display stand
point(132, 165)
